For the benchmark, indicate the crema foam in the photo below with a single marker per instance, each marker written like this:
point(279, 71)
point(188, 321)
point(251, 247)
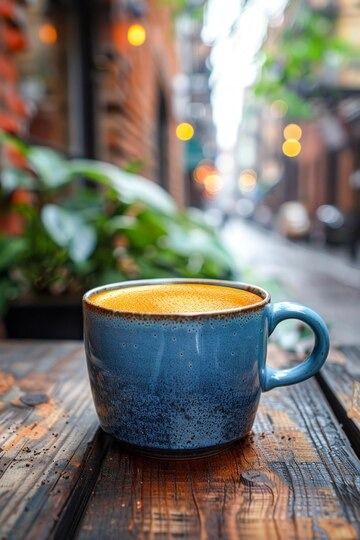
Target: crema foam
point(174, 298)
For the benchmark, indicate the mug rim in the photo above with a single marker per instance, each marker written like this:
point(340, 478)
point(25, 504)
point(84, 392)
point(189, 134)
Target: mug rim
point(265, 296)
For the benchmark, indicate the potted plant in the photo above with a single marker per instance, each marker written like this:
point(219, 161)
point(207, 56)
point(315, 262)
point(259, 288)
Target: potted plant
point(71, 224)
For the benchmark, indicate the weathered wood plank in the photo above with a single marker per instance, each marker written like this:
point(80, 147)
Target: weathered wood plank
point(295, 477)
point(42, 446)
point(340, 380)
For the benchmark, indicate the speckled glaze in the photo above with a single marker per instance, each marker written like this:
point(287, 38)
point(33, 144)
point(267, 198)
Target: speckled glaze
point(178, 383)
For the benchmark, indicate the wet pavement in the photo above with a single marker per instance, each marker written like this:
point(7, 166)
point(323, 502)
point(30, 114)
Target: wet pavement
point(327, 282)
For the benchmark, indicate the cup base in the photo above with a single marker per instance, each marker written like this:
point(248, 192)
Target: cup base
point(163, 453)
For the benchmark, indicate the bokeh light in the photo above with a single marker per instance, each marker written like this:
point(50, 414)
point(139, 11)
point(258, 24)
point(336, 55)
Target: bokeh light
point(279, 108)
point(136, 34)
point(330, 215)
point(244, 207)
point(212, 184)
point(247, 180)
point(202, 170)
point(292, 131)
point(48, 34)
point(184, 131)
point(291, 148)
point(271, 172)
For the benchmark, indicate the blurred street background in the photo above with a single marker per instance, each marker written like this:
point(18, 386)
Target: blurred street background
point(246, 113)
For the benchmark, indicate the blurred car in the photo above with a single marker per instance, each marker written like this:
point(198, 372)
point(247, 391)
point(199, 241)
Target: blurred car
point(340, 228)
point(293, 220)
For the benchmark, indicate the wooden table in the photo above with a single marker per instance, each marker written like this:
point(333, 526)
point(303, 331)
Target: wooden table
point(295, 476)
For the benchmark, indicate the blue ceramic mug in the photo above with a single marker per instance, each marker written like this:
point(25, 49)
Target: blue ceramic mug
point(188, 383)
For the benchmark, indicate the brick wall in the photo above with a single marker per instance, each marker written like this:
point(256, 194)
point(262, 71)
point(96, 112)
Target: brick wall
point(132, 82)
point(13, 109)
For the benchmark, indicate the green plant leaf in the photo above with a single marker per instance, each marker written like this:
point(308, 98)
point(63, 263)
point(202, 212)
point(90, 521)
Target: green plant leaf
point(50, 166)
point(196, 241)
point(130, 187)
point(17, 143)
point(120, 223)
point(8, 291)
point(12, 178)
point(135, 166)
point(69, 230)
point(195, 218)
point(109, 276)
point(10, 250)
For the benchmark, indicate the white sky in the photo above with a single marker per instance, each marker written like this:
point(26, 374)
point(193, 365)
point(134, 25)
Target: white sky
point(236, 35)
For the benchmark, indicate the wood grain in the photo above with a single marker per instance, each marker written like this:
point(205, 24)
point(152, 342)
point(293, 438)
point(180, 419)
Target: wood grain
point(295, 477)
point(340, 381)
point(42, 446)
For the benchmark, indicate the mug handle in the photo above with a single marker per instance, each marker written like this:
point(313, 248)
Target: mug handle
point(270, 377)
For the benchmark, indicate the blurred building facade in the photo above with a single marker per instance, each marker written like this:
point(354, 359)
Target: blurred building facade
point(193, 96)
point(98, 80)
point(324, 173)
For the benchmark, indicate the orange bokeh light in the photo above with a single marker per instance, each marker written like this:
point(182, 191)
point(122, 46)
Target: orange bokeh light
point(212, 183)
point(292, 131)
point(48, 34)
point(202, 171)
point(247, 180)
